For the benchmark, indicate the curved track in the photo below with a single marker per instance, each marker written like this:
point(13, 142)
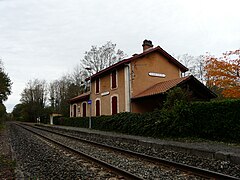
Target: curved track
point(114, 169)
point(186, 168)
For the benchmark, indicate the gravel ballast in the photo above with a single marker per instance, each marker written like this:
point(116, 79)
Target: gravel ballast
point(36, 158)
point(201, 161)
point(137, 166)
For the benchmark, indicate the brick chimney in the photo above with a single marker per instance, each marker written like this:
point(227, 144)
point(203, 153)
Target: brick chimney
point(147, 44)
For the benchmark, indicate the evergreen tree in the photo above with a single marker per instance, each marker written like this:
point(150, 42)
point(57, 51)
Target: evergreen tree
point(5, 84)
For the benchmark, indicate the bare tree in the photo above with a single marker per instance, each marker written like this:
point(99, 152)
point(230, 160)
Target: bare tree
point(188, 61)
point(78, 75)
point(200, 72)
point(36, 91)
point(34, 98)
point(194, 64)
point(54, 95)
point(98, 58)
point(58, 90)
point(63, 89)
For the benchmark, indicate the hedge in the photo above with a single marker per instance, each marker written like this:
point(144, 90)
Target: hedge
point(208, 120)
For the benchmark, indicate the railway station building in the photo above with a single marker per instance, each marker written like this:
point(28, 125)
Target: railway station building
point(137, 84)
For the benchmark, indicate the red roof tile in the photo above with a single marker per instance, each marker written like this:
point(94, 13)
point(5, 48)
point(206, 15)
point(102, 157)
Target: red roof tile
point(161, 87)
point(157, 49)
point(80, 97)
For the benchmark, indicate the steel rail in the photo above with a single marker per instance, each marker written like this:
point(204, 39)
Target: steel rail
point(187, 168)
point(116, 170)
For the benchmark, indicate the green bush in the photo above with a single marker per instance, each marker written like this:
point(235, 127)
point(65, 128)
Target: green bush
point(217, 120)
point(76, 122)
point(209, 120)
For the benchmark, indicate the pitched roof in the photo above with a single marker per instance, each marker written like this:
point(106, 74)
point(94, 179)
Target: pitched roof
point(84, 96)
point(156, 49)
point(160, 88)
point(163, 87)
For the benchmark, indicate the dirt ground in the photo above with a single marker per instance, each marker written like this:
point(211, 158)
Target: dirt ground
point(6, 163)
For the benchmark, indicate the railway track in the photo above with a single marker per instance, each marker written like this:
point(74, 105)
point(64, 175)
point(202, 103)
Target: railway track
point(151, 161)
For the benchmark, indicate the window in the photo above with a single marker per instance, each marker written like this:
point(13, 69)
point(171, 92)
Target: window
point(114, 105)
point(97, 85)
point(114, 79)
point(97, 107)
point(84, 109)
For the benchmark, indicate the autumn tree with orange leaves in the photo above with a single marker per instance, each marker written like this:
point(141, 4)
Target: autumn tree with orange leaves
point(223, 73)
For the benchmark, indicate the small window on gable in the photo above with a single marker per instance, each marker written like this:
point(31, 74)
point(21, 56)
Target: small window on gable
point(97, 85)
point(114, 79)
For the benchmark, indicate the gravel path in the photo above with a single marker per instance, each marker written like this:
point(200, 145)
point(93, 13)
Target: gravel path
point(6, 162)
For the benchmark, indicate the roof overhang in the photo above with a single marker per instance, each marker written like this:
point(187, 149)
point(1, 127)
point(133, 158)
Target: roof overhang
point(163, 87)
point(80, 98)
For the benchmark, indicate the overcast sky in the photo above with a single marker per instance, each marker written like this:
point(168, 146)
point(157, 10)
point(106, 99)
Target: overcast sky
point(46, 38)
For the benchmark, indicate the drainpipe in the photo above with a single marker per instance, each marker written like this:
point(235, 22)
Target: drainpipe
point(128, 84)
